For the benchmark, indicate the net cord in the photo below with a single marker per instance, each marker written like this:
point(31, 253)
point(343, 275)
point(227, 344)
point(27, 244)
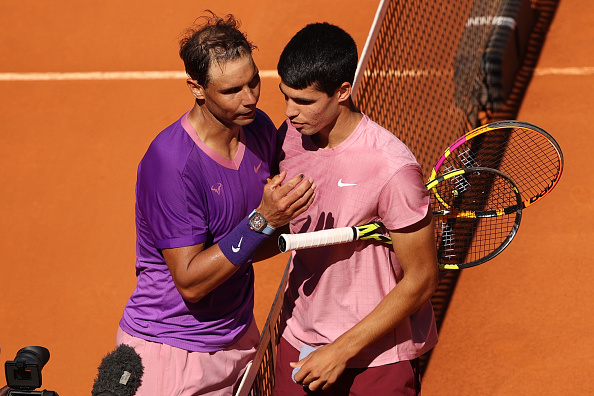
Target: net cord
point(378, 20)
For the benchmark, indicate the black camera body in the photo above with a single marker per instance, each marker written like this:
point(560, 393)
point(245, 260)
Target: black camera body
point(23, 374)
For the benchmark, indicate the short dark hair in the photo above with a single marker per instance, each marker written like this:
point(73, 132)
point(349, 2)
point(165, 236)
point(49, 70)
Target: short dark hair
point(218, 39)
point(320, 54)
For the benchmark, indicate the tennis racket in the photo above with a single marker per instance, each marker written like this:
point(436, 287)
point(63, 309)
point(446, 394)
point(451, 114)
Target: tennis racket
point(525, 152)
point(476, 218)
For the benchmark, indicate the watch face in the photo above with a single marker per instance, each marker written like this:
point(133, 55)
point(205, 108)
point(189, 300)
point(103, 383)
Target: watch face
point(258, 222)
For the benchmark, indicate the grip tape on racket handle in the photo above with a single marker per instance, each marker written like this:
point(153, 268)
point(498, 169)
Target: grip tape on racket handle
point(305, 240)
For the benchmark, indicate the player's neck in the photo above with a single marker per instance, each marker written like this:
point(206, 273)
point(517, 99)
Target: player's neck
point(337, 132)
point(223, 139)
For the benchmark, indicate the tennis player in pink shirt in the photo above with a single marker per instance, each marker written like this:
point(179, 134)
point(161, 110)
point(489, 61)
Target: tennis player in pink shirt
point(364, 307)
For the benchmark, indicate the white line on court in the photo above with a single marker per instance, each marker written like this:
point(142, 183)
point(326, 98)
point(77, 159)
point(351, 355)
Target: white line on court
point(564, 71)
point(169, 75)
point(115, 75)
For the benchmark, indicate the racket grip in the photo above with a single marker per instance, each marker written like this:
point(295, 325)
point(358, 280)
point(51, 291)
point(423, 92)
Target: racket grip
point(305, 240)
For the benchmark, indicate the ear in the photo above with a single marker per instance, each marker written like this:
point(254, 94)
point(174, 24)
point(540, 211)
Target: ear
point(196, 89)
point(344, 92)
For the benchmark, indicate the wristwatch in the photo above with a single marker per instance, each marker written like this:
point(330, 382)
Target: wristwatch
point(259, 223)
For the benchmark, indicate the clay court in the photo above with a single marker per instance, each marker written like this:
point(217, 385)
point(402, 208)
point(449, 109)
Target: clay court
point(79, 110)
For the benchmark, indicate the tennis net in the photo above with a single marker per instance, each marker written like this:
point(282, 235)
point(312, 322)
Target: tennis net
point(430, 71)
point(258, 379)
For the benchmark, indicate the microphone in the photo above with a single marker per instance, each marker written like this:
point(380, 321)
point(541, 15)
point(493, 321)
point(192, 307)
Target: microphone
point(120, 373)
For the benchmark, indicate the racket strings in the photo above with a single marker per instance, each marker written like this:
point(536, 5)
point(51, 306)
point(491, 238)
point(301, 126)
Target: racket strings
point(464, 241)
point(531, 158)
point(532, 161)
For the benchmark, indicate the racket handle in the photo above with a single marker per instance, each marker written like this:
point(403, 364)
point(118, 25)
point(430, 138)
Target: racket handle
point(332, 236)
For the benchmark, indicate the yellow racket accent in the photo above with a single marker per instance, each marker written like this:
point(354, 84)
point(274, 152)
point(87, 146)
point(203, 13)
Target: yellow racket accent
point(368, 232)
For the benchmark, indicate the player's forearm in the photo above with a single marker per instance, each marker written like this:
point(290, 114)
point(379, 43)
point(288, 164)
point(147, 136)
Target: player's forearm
point(416, 254)
point(405, 299)
point(198, 272)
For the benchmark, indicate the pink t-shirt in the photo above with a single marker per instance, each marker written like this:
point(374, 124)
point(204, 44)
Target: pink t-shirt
point(370, 176)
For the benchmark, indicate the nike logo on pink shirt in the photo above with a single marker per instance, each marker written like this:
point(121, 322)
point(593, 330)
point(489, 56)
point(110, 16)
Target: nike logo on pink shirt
point(341, 184)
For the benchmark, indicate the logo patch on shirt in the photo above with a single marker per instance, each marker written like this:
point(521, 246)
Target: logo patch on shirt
point(341, 184)
point(236, 249)
point(217, 188)
point(257, 168)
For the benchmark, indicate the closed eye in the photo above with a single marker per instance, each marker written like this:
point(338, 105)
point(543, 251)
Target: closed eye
point(300, 101)
point(252, 85)
point(303, 101)
point(232, 90)
point(255, 81)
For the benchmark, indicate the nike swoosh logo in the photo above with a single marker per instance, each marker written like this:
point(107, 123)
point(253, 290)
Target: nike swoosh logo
point(236, 249)
point(341, 184)
point(257, 168)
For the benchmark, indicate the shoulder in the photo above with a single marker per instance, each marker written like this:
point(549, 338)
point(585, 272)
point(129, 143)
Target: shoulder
point(169, 150)
point(387, 145)
point(385, 136)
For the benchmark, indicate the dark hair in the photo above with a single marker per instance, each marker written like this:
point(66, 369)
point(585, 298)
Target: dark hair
point(320, 54)
point(218, 39)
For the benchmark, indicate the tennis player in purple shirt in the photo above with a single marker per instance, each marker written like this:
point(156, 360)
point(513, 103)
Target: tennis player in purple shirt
point(204, 205)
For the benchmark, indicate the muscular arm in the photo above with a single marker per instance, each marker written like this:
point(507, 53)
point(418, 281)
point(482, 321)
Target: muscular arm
point(415, 250)
point(197, 271)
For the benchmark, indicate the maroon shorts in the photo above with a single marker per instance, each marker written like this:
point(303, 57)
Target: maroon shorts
point(401, 378)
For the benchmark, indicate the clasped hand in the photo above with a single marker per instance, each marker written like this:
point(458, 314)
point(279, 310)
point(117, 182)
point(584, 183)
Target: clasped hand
point(283, 202)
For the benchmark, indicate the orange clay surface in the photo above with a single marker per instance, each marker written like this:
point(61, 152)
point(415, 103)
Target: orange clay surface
point(68, 154)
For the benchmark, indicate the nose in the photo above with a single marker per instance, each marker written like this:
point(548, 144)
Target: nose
point(251, 97)
point(291, 110)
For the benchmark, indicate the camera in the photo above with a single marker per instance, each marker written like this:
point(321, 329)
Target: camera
point(23, 374)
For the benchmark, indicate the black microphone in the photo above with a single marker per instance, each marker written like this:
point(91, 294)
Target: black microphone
point(120, 373)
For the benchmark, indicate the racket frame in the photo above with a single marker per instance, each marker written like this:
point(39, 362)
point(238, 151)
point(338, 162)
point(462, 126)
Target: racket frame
point(504, 125)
